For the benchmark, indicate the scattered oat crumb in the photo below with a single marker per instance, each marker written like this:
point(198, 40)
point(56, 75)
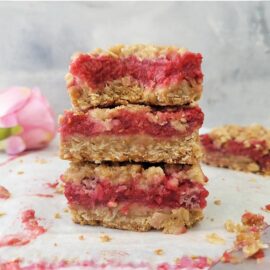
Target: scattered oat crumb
point(41, 161)
point(214, 238)
point(211, 219)
point(20, 172)
point(66, 210)
point(57, 216)
point(55, 244)
point(159, 251)
point(21, 160)
point(105, 238)
point(230, 226)
point(217, 202)
point(81, 237)
point(2, 213)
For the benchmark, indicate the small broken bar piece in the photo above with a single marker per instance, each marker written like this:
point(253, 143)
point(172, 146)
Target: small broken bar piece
point(239, 148)
point(136, 197)
point(137, 74)
point(132, 133)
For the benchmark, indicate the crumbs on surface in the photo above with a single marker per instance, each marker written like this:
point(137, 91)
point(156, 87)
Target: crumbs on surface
point(105, 238)
point(20, 172)
point(266, 208)
point(66, 210)
point(57, 216)
point(4, 193)
point(81, 237)
point(2, 214)
point(159, 251)
point(214, 238)
point(41, 160)
point(248, 237)
point(217, 202)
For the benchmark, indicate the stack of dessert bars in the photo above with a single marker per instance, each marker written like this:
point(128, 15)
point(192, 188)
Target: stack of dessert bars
point(132, 138)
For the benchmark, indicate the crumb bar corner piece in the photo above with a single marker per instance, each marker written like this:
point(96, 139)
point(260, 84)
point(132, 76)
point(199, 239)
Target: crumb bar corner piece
point(137, 197)
point(243, 148)
point(136, 74)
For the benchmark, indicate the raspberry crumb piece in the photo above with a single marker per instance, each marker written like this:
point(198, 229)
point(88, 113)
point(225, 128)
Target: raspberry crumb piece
point(266, 208)
point(214, 238)
point(20, 172)
point(57, 216)
point(81, 237)
point(105, 238)
point(229, 258)
point(217, 202)
point(4, 193)
point(258, 255)
point(66, 210)
point(251, 219)
point(159, 251)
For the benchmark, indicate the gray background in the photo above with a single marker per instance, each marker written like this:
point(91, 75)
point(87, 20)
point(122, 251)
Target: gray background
point(38, 39)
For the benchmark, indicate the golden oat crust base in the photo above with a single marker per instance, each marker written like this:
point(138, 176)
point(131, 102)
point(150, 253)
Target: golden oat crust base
point(239, 163)
point(139, 218)
point(136, 148)
point(123, 173)
point(127, 91)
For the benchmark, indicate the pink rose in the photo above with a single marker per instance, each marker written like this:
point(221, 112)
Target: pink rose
point(26, 120)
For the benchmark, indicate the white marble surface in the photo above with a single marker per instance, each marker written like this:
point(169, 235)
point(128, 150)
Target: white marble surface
point(37, 40)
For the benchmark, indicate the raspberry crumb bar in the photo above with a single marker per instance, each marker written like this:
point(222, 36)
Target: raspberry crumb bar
point(137, 74)
point(240, 148)
point(132, 133)
point(136, 196)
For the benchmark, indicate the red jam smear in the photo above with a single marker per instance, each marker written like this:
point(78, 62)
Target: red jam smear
point(163, 71)
point(125, 122)
point(238, 148)
point(32, 230)
point(93, 192)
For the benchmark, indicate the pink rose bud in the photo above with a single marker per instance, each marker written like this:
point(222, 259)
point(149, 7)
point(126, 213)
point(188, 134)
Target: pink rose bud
point(26, 120)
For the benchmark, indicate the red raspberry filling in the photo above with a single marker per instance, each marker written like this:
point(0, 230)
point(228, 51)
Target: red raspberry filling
point(94, 192)
point(163, 71)
point(125, 122)
point(233, 147)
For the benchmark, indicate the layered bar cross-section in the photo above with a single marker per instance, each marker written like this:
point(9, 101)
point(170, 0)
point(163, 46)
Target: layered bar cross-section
point(240, 148)
point(137, 74)
point(132, 133)
point(136, 196)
